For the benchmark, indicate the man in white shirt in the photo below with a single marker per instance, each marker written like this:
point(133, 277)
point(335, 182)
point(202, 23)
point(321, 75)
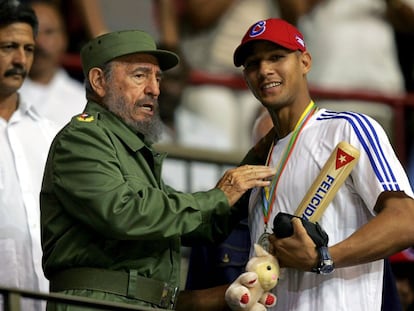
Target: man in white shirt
point(24, 143)
point(56, 95)
point(370, 216)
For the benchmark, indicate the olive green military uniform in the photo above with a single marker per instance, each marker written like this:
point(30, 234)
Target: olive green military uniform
point(104, 206)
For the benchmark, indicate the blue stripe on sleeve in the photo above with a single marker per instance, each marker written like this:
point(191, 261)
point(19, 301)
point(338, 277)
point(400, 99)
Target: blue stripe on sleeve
point(368, 138)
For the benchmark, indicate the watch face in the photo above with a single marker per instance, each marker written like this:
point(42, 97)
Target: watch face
point(327, 267)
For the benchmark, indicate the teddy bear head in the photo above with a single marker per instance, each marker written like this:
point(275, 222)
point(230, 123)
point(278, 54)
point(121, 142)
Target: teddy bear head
point(266, 266)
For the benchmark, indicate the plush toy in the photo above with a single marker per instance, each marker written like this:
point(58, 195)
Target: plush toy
point(250, 291)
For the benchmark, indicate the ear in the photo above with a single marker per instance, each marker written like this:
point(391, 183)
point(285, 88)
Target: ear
point(65, 41)
point(306, 59)
point(97, 80)
point(260, 251)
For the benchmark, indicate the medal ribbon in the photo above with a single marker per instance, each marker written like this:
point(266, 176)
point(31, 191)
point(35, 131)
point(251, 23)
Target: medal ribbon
point(269, 195)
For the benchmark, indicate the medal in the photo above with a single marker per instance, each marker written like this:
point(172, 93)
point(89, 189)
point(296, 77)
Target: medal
point(264, 241)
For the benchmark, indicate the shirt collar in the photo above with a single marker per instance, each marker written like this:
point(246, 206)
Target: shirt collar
point(26, 107)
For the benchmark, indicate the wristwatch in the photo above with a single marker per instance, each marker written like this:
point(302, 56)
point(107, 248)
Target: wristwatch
point(326, 264)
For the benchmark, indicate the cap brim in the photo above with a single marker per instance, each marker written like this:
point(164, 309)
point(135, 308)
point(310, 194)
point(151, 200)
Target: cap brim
point(166, 59)
point(241, 52)
point(244, 50)
point(239, 56)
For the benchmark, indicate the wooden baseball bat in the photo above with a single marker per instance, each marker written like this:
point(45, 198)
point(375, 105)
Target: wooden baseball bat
point(333, 174)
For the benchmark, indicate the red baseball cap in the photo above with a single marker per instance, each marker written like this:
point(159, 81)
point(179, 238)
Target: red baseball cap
point(274, 30)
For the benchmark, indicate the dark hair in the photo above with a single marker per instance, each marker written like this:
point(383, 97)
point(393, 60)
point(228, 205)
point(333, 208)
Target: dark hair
point(12, 11)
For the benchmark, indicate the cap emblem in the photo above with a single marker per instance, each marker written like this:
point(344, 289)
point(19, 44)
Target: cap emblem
point(257, 29)
point(300, 41)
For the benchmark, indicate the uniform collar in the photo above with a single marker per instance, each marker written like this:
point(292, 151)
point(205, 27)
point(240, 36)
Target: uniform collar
point(133, 140)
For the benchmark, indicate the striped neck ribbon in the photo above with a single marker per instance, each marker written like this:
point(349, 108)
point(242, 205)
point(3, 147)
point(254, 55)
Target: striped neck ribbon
point(269, 193)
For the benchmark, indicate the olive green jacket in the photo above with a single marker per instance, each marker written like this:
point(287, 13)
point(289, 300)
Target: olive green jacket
point(104, 205)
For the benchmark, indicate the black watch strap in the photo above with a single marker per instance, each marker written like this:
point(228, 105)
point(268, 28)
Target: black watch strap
point(326, 264)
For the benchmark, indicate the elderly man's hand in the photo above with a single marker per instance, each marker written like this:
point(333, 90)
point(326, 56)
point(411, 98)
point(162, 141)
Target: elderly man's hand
point(235, 182)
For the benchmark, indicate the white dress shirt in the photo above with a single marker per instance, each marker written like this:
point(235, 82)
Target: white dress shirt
point(24, 145)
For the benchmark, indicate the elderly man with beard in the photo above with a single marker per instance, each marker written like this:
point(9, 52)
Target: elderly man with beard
point(111, 228)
